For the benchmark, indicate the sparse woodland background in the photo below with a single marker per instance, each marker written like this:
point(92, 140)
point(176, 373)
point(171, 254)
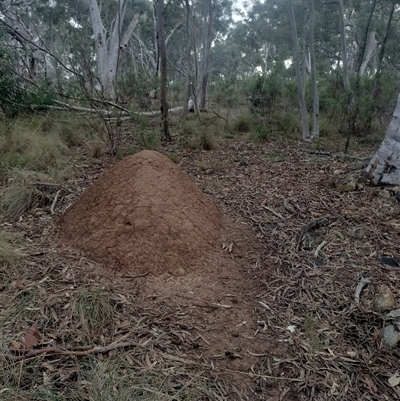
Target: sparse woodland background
point(291, 100)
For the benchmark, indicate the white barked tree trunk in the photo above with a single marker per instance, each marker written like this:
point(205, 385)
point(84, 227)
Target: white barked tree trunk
point(108, 50)
point(384, 167)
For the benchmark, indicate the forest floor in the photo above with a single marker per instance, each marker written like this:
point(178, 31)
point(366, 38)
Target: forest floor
point(282, 324)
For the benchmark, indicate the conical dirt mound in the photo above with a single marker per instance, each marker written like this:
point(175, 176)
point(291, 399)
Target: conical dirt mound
point(143, 215)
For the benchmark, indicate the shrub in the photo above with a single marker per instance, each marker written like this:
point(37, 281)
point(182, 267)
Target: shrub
point(261, 132)
point(243, 123)
point(26, 190)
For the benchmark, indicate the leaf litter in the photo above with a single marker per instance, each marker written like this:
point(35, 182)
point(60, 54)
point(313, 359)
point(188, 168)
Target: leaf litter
point(167, 351)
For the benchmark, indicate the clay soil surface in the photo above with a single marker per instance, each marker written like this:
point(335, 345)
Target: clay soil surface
point(259, 307)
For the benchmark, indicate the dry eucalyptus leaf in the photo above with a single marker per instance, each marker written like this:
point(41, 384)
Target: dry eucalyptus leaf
point(32, 337)
point(394, 380)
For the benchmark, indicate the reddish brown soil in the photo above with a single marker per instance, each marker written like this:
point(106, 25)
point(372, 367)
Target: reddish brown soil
point(143, 215)
point(148, 223)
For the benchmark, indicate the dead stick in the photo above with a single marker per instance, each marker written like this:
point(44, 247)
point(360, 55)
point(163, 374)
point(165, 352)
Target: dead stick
point(323, 221)
point(30, 353)
point(53, 205)
point(273, 212)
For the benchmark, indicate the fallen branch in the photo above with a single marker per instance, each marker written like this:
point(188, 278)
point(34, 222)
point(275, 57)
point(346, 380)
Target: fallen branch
point(30, 353)
point(321, 222)
point(273, 212)
point(290, 208)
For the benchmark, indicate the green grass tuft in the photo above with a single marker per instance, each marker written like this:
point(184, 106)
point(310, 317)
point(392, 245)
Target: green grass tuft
point(93, 309)
point(243, 123)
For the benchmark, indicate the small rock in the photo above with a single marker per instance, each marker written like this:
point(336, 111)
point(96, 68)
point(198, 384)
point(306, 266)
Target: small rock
point(390, 336)
point(390, 261)
point(318, 261)
point(180, 272)
point(357, 233)
point(363, 251)
point(385, 299)
point(347, 183)
point(338, 234)
point(384, 193)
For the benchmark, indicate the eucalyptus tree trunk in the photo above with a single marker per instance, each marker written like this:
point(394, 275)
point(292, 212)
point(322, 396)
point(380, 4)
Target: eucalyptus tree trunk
point(204, 66)
point(299, 78)
point(265, 50)
point(188, 58)
point(378, 74)
point(384, 167)
point(163, 70)
point(314, 88)
point(18, 31)
point(343, 42)
point(343, 46)
point(371, 46)
point(354, 107)
point(108, 50)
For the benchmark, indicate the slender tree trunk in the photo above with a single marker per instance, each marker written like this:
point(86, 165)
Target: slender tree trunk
point(343, 46)
point(188, 58)
point(156, 42)
point(378, 74)
point(266, 48)
point(354, 106)
point(205, 56)
point(369, 51)
point(314, 88)
point(163, 70)
point(299, 78)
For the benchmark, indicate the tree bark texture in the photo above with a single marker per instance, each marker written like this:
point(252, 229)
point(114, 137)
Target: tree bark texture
point(384, 167)
point(205, 56)
point(17, 29)
point(108, 51)
point(354, 106)
point(372, 44)
point(188, 58)
point(343, 46)
point(299, 78)
point(314, 88)
point(163, 69)
point(378, 74)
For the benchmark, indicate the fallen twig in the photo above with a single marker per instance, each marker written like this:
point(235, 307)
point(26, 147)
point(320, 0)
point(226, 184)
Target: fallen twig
point(323, 221)
point(30, 353)
point(319, 247)
point(362, 283)
point(273, 212)
point(54, 201)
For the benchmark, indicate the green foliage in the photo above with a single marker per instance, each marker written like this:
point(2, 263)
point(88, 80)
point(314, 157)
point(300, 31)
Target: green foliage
point(150, 140)
point(16, 93)
point(205, 140)
point(228, 92)
point(123, 151)
point(137, 86)
point(261, 132)
point(174, 157)
point(264, 90)
point(243, 123)
point(24, 144)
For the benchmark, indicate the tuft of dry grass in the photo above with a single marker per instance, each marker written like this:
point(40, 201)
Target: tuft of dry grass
point(26, 189)
point(94, 309)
